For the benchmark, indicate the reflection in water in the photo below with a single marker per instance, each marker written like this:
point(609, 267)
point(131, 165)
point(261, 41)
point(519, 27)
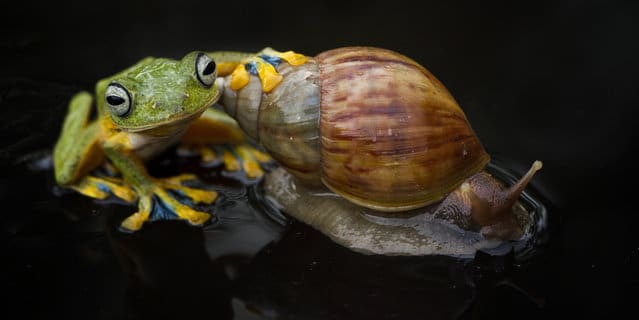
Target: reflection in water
point(309, 277)
point(170, 274)
point(305, 275)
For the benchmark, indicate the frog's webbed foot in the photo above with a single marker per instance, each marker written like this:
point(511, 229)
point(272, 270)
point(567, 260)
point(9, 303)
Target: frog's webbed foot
point(102, 187)
point(263, 65)
point(245, 160)
point(168, 198)
point(241, 161)
point(218, 139)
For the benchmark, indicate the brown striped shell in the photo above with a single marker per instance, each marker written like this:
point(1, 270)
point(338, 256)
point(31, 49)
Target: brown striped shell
point(372, 124)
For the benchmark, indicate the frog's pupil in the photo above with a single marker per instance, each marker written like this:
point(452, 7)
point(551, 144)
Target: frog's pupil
point(114, 100)
point(210, 67)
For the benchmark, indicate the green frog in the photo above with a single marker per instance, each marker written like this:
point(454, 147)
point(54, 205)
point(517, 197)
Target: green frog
point(144, 110)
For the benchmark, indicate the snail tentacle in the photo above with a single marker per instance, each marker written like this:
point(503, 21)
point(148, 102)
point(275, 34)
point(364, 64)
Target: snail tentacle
point(489, 205)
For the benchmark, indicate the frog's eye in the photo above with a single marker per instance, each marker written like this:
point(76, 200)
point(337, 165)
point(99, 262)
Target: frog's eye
point(118, 99)
point(205, 70)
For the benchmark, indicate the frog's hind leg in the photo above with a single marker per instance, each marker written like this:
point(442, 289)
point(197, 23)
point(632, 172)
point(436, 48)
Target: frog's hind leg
point(196, 195)
point(219, 140)
point(79, 150)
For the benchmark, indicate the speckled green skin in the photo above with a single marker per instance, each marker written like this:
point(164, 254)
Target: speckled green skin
point(166, 96)
point(163, 92)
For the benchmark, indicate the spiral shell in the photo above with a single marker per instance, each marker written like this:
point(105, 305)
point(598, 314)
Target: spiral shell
point(375, 126)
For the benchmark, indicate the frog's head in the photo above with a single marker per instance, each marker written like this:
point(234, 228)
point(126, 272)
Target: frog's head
point(159, 92)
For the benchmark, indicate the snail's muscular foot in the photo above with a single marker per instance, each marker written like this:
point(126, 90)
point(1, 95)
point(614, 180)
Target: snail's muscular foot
point(263, 65)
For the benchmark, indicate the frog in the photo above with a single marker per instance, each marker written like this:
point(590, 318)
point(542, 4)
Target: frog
point(144, 110)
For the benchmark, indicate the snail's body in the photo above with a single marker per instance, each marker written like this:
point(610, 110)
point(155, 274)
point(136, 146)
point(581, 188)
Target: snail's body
point(435, 229)
point(378, 129)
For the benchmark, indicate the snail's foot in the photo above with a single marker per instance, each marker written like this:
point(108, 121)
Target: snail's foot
point(102, 187)
point(157, 203)
point(242, 161)
point(264, 66)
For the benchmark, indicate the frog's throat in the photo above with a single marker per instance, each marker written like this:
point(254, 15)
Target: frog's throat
point(176, 120)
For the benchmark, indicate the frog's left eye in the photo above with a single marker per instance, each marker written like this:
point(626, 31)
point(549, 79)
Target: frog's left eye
point(205, 70)
point(118, 99)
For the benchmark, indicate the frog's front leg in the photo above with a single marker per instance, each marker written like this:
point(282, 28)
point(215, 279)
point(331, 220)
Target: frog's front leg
point(79, 150)
point(262, 64)
point(154, 195)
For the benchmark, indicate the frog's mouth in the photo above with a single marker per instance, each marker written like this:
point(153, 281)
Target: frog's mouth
point(174, 123)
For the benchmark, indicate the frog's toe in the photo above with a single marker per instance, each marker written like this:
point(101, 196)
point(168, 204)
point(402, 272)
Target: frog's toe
point(259, 156)
point(291, 57)
point(163, 205)
point(194, 194)
point(252, 160)
point(245, 162)
point(264, 66)
point(256, 66)
point(135, 221)
point(168, 207)
point(208, 156)
point(241, 161)
point(102, 187)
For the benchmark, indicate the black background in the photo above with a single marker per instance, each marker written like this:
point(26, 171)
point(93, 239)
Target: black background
point(548, 80)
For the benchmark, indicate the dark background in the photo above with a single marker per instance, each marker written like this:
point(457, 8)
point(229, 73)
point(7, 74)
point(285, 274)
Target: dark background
point(548, 80)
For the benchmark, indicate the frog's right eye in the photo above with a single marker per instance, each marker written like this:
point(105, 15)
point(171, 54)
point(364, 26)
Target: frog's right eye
point(205, 70)
point(118, 99)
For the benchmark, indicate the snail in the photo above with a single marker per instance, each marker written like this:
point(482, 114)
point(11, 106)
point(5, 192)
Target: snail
point(380, 131)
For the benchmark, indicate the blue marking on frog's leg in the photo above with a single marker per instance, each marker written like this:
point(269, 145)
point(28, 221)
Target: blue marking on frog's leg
point(263, 65)
point(273, 60)
point(160, 211)
point(102, 187)
point(165, 211)
point(156, 209)
point(168, 198)
point(291, 57)
point(251, 67)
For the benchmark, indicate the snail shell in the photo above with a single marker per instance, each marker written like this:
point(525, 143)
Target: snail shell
point(373, 125)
